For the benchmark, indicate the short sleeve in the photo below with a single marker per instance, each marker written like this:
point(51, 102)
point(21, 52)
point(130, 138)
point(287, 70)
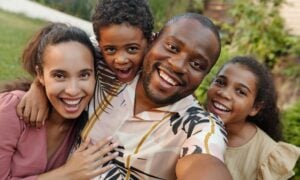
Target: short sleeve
point(209, 137)
point(280, 162)
point(10, 129)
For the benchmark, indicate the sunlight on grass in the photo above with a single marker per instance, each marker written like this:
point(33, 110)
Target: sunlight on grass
point(15, 30)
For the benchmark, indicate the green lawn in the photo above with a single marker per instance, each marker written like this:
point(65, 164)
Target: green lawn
point(15, 32)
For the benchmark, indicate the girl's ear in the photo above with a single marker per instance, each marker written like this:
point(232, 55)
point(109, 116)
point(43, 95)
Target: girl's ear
point(40, 76)
point(256, 108)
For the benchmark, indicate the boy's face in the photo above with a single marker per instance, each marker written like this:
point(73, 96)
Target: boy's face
point(178, 61)
point(123, 47)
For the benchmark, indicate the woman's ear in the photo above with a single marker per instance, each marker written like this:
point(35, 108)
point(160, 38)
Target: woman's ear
point(256, 108)
point(39, 75)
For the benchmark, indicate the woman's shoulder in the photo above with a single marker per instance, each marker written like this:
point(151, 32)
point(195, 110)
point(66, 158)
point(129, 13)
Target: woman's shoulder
point(10, 99)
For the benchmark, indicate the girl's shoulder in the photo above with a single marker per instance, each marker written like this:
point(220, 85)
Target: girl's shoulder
point(279, 160)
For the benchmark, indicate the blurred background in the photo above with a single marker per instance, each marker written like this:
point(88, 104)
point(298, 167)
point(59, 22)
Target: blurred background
point(266, 29)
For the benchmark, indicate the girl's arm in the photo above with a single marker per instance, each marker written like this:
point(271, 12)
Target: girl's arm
point(33, 107)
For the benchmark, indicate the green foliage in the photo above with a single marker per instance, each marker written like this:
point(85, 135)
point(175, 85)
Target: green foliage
point(258, 29)
point(291, 130)
point(15, 32)
point(78, 8)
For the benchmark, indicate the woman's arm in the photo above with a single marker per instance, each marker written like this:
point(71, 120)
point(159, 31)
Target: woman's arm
point(85, 163)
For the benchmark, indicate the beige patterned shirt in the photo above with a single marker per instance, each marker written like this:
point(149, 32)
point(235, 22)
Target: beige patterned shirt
point(151, 142)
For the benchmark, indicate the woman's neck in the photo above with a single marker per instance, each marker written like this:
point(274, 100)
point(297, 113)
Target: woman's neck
point(240, 134)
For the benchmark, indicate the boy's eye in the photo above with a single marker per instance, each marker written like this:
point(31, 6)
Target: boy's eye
point(109, 50)
point(219, 82)
point(132, 49)
point(172, 47)
point(198, 65)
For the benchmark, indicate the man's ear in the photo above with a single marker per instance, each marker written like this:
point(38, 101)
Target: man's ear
point(256, 108)
point(39, 75)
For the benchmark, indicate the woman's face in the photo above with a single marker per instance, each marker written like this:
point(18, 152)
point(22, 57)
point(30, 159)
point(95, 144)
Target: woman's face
point(68, 77)
point(232, 94)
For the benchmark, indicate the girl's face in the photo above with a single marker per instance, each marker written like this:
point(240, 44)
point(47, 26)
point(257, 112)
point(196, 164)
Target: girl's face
point(68, 77)
point(123, 47)
point(232, 94)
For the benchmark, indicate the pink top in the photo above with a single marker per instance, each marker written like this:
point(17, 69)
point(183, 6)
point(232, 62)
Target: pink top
point(23, 150)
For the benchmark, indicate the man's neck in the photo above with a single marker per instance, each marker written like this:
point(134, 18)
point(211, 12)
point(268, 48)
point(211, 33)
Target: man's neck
point(142, 102)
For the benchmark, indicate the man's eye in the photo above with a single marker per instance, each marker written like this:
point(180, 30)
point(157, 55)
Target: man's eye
point(132, 49)
point(173, 48)
point(198, 65)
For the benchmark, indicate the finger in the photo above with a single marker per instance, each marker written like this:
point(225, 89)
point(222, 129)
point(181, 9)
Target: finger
point(33, 116)
point(84, 145)
point(20, 109)
point(103, 152)
point(40, 119)
point(26, 114)
point(100, 144)
point(100, 171)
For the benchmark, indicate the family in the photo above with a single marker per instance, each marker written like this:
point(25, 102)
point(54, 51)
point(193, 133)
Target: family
point(121, 105)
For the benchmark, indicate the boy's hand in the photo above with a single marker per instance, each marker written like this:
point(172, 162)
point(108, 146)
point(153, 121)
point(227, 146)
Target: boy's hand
point(33, 107)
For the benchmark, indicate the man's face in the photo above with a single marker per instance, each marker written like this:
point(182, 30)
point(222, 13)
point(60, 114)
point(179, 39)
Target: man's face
point(178, 61)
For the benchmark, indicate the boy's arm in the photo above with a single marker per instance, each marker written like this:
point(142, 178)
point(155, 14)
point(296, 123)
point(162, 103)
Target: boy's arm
point(201, 166)
point(34, 107)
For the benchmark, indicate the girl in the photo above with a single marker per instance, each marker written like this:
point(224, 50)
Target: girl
point(243, 95)
point(40, 153)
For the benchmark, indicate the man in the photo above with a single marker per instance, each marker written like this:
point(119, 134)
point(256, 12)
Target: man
point(162, 131)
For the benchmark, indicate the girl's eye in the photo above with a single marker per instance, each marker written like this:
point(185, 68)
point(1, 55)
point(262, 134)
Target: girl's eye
point(172, 48)
point(198, 65)
point(132, 49)
point(241, 92)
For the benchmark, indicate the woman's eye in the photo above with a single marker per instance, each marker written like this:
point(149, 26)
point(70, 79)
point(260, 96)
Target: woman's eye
point(85, 75)
point(59, 76)
point(173, 48)
point(198, 65)
point(132, 49)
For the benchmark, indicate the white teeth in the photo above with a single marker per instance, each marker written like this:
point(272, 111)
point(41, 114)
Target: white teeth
point(167, 78)
point(71, 102)
point(221, 107)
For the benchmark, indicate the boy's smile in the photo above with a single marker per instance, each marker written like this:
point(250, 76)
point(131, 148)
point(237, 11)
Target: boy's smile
point(123, 47)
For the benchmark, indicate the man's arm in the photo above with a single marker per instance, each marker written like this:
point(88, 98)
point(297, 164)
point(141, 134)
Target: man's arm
point(201, 166)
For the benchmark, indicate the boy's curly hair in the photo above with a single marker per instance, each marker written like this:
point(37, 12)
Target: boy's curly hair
point(134, 12)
